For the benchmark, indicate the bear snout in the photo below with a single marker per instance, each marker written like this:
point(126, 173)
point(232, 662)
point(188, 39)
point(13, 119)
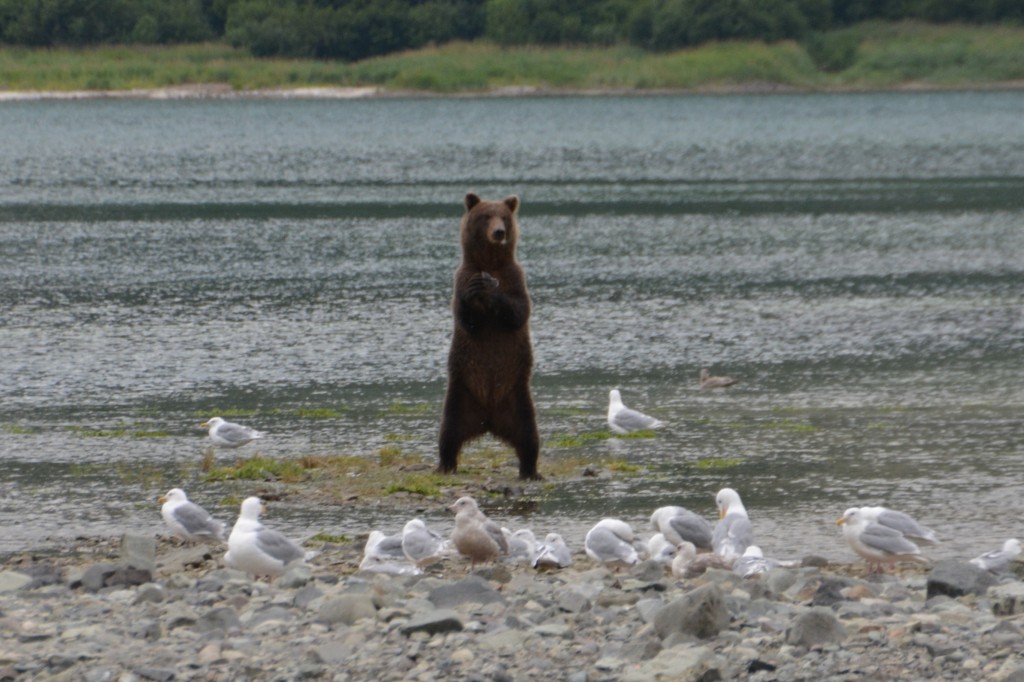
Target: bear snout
point(498, 235)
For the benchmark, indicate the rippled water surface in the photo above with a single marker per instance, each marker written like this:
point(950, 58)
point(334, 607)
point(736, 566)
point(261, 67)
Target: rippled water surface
point(856, 260)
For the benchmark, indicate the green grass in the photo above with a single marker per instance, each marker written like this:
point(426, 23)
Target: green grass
point(260, 468)
point(871, 55)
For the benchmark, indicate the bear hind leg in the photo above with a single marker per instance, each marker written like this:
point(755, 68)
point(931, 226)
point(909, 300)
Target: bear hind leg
point(518, 428)
point(461, 422)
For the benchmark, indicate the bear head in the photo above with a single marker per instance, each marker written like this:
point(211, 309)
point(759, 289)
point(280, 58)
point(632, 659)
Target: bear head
point(489, 230)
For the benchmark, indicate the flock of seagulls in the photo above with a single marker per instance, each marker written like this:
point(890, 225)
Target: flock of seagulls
point(684, 542)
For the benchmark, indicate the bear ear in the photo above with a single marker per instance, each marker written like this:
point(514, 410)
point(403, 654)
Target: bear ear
point(512, 201)
point(471, 200)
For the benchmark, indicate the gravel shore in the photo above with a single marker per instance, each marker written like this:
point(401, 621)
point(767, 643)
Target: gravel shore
point(145, 608)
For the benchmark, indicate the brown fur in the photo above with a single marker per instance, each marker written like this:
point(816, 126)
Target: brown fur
point(491, 357)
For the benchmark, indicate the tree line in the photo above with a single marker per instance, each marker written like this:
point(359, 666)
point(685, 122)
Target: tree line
point(356, 29)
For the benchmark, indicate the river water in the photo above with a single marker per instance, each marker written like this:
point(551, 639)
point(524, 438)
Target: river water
point(856, 260)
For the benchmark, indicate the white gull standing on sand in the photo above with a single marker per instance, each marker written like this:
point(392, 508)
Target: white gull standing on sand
point(610, 541)
point(679, 524)
point(878, 544)
point(256, 549)
point(623, 420)
point(228, 434)
point(553, 553)
point(998, 560)
point(420, 545)
point(188, 520)
point(733, 532)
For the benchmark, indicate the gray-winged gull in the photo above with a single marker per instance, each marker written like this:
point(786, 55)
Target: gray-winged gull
point(228, 434)
point(522, 545)
point(753, 563)
point(679, 524)
point(998, 560)
point(897, 520)
point(623, 420)
point(553, 553)
point(878, 544)
point(709, 381)
point(733, 532)
point(188, 520)
point(256, 549)
point(420, 545)
point(660, 549)
point(475, 536)
point(610, 541)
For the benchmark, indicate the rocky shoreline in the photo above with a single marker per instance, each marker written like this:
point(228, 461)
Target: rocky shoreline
point(145, 608)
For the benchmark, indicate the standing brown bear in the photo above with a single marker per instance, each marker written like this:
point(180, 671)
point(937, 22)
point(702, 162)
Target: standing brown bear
point(491, 358)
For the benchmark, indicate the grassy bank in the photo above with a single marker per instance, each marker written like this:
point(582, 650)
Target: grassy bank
point(862, 57)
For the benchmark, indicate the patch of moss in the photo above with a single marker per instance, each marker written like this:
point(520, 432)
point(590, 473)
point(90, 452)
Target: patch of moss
point(710, 463)
point(317, 413)
point(790, 425)
point(427, 485)
point(17, 430)
point(622, 467)
point(259, 468)
point(329, 537)
point(402, 408)
point(578, 440)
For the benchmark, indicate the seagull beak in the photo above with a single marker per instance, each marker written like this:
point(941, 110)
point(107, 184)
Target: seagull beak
point(161, 499)
point(721, 513)
point(840, 522)
point(204, 424)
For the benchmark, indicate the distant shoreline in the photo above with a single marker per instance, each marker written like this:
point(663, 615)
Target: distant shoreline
point(223, 91)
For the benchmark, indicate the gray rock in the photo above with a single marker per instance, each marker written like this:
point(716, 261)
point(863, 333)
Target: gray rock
point(471, 590)
point(222, 621)
point(680, 664)
point(306, 596)
point(268, 614)
point(701, 613)
point(11, 581)
point(649, 570)
point(815, 626)
point(572, 601)
point(152, 593)
point(956, 578)
point(1008, 599)
point(332, 653)
point(347, 609)
point(648, 609)
point(295, 577)
point(158, 674)
point(433, 622)
point(138, 551)
point(93, 578)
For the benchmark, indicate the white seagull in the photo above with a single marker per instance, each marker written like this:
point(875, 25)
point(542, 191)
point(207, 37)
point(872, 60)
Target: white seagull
point(897, 520)
point(420, 545)
point(878, 544)
point(188, 520)
point(733, 532)
point(522, 545)
point(256, 549)
point(679, 524)
point(623, 420)
point(610, 541)
point(553, 553)
point(998, 560)
point(753, 563)
point(228, 434)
